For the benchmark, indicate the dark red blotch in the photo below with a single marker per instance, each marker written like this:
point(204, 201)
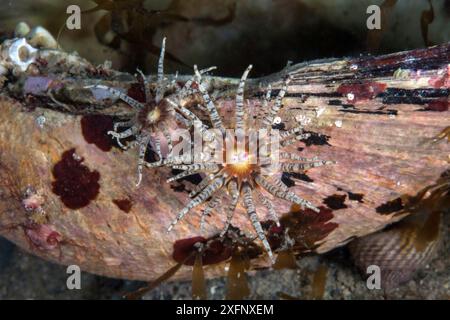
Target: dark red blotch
point(362, 91)
point(305, 226)
point(95, 130)
point(136, 91)
point(214, 252)
point(74, 183)
point(123, 204)
point(390, 206)
point(356, 196)
point(439, 105)
point(335, 201)
point(275, 234)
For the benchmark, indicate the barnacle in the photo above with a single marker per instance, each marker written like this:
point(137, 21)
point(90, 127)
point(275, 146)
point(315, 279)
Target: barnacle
point(16, 55)
point(151, 117)
point(248, 171)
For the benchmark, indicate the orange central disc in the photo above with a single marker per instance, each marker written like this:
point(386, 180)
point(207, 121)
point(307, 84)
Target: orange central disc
point(241, 170)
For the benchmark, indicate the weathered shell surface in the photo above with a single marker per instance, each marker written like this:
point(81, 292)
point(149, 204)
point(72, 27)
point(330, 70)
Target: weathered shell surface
point(378, 133)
